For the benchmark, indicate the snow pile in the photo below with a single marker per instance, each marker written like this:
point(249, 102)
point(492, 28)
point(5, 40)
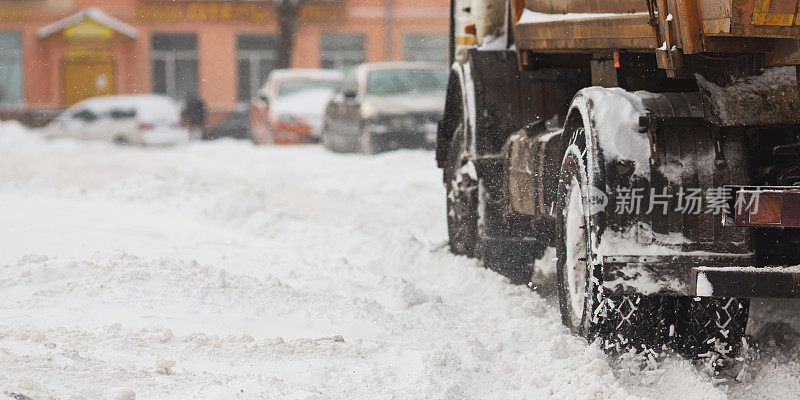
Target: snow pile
point(16, 137)
point(768, 98)
point(224, 270)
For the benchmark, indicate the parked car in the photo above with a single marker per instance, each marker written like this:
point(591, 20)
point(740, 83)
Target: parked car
point(289, 107)
point(124, 119)
point(385, 106)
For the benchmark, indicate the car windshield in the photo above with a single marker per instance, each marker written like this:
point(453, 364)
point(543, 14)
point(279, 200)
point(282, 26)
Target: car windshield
point(409, 80)
point(290, 87)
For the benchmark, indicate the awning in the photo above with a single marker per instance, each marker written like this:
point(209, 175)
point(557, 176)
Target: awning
point(89, 23)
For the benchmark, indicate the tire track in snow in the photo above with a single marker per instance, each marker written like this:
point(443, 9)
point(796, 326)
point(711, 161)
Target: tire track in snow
point(240, 267)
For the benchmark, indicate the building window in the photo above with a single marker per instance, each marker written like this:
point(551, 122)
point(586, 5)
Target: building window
point(342, 50)
point(10, 68)
point(425, 47)
point(174, 64)
point(255, 56)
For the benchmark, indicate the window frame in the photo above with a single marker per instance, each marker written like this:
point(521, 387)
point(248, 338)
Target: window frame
point(17, 55)
point(170, 58)
point(407, 36)
point(340, 57)
point(253, 58)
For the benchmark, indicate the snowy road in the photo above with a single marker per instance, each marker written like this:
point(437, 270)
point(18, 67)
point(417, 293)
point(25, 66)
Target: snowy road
point(223, 270)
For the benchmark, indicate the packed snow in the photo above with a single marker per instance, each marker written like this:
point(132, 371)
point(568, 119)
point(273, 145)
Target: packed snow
point(771, 97)
point(532, 17)
point(229, 271)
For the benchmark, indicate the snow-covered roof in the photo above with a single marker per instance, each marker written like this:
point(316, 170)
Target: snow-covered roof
point(91, 13)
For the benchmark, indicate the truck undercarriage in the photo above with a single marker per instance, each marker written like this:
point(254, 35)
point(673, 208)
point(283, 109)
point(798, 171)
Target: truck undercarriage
point(654, 144)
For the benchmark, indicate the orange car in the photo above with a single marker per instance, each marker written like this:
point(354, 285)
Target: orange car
point(289, 108)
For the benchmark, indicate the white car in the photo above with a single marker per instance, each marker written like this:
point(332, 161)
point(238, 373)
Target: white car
point(124, 119)
point(288, 109)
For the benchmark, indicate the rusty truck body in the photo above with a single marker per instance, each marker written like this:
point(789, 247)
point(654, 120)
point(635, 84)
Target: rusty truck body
point(653, 143)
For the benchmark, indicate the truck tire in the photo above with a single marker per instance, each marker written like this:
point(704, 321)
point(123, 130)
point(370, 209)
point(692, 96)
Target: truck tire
point(462, 197)
point(503, 245)
point(621, 322)
point(711, 328)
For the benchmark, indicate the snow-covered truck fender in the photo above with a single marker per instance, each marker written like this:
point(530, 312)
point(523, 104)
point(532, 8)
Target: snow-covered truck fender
point(459, 109)
point(634, 147)
point(455, 154)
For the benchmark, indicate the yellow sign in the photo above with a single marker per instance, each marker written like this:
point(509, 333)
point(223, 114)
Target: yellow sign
point(321, 12)
point(198, 12)
point(233, 12)
point(88, 30)
point(13, 14)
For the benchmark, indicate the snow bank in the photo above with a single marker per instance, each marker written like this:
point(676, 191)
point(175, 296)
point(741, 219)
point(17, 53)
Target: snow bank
point(15, 136)
point(225, 270)
point(772, 95)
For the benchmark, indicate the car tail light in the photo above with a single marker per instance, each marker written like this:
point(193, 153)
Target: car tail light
point(145, 126)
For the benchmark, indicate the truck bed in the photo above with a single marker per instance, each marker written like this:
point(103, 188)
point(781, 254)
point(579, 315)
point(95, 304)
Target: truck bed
point(581, 31)
point(692, 26)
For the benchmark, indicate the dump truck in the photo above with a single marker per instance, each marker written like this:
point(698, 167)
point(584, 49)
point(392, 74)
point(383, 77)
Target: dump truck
point(654, 144)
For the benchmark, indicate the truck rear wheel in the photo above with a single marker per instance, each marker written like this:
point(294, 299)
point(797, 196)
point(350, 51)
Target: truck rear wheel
point(461, 182)
point(704, 328)
point(620, 321)
point(711, 328)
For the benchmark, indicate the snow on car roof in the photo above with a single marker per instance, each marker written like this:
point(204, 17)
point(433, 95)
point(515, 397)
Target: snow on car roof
point(270, 86)
point(308, 73)
point(149, 107)
point(400, 65)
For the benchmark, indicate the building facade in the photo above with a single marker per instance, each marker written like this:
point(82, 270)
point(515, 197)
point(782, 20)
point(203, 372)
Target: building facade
point(54, 53)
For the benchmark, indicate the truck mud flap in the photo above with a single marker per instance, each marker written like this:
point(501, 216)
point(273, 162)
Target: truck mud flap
point(747, 282)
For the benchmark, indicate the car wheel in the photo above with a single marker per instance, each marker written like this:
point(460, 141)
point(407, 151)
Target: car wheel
point(368, 143)
point(324, 140)
point(327, 140)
